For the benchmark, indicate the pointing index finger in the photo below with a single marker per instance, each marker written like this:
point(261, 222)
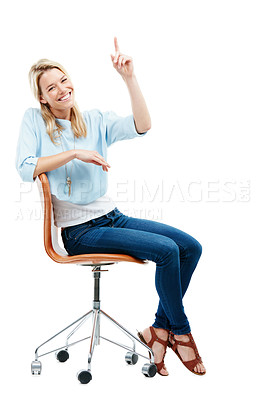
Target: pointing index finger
point(116, 44)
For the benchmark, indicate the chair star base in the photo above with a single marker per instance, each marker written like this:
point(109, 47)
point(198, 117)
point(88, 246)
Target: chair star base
point(62, 355)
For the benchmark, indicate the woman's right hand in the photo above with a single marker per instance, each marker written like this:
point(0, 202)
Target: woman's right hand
point(93, 157)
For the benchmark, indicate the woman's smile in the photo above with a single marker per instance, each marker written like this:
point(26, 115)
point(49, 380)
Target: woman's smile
point(66, 97)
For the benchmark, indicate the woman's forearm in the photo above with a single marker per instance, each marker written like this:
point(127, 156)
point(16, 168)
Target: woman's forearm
point(140, 111)
point(45, 164)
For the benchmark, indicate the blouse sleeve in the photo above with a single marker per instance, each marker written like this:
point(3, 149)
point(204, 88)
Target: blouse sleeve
point(119, 128)
point(26, 159)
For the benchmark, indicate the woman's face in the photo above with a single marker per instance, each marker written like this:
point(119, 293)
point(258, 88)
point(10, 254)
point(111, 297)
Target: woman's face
point(57, 90)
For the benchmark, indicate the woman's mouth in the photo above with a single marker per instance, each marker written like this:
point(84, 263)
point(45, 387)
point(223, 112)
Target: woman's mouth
point(66, 97)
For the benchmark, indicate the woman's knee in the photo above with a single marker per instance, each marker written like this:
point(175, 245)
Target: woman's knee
point(168, 251)
point(195, 248)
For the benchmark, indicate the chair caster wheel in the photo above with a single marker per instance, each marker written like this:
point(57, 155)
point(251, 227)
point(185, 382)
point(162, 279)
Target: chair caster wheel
point(131, 358)
point(62, 356)
point(36, 367)
point(149, 370)
point(84, 376)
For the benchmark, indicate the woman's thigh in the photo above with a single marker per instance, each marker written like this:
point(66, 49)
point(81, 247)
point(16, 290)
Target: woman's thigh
point(182, 239)
point(121, 240)
point(141, 238)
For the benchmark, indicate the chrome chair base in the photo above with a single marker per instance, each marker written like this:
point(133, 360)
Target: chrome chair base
point(62, 355)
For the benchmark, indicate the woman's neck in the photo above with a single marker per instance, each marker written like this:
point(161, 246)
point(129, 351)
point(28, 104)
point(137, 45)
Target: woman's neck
point(64, 114)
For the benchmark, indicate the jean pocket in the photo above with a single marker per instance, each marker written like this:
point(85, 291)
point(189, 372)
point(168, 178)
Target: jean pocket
point(88, 239)
point(77, 231)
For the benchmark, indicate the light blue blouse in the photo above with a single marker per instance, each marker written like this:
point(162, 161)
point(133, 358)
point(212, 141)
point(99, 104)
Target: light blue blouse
point(89, 181)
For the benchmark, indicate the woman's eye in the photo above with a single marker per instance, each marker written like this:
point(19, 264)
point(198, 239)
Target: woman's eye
point(64, 79)
point(51, 88)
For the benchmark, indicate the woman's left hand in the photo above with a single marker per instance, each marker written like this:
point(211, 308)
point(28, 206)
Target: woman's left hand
point(122, 63)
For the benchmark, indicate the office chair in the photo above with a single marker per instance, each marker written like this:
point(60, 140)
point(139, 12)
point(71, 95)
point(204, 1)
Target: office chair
point(96, 261)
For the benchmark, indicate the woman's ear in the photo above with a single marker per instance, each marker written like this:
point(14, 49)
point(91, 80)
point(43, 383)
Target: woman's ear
point(42, 100)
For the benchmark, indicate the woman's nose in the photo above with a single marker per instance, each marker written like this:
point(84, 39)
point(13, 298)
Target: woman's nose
point(61, 88)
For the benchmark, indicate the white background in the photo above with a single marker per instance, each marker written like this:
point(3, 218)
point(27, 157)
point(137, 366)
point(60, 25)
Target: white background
point(201, 68)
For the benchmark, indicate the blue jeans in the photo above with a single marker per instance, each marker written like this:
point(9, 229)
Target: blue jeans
point(175, 253)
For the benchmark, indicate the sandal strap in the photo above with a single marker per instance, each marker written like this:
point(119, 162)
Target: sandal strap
point(160, 365)
point(155, 338)
point(191, 343)
point(191, 364)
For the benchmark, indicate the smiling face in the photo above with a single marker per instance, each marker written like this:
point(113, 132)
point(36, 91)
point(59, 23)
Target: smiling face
point(57, 90)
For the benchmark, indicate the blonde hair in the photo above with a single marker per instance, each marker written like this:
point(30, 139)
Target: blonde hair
point(77, 122)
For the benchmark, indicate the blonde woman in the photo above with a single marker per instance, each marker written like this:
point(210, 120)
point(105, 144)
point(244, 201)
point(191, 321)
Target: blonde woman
point(71, 148)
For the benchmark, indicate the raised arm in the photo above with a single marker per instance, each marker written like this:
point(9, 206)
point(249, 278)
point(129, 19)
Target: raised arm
point(124, 66)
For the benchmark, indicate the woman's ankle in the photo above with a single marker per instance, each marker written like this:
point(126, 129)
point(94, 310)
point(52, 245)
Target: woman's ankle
point(161, 332)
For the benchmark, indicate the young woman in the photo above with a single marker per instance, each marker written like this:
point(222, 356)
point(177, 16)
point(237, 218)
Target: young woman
point(71, 148)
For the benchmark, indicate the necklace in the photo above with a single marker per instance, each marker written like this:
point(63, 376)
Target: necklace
point(68, 176)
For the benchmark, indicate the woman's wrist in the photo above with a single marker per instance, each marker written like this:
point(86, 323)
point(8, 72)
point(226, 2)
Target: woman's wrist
point(129, 79)
point(73, 154)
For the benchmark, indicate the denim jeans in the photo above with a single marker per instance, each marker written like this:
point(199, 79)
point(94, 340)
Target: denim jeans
point(175, 253)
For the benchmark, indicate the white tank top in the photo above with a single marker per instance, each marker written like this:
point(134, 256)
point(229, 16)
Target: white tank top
point(69, 214)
